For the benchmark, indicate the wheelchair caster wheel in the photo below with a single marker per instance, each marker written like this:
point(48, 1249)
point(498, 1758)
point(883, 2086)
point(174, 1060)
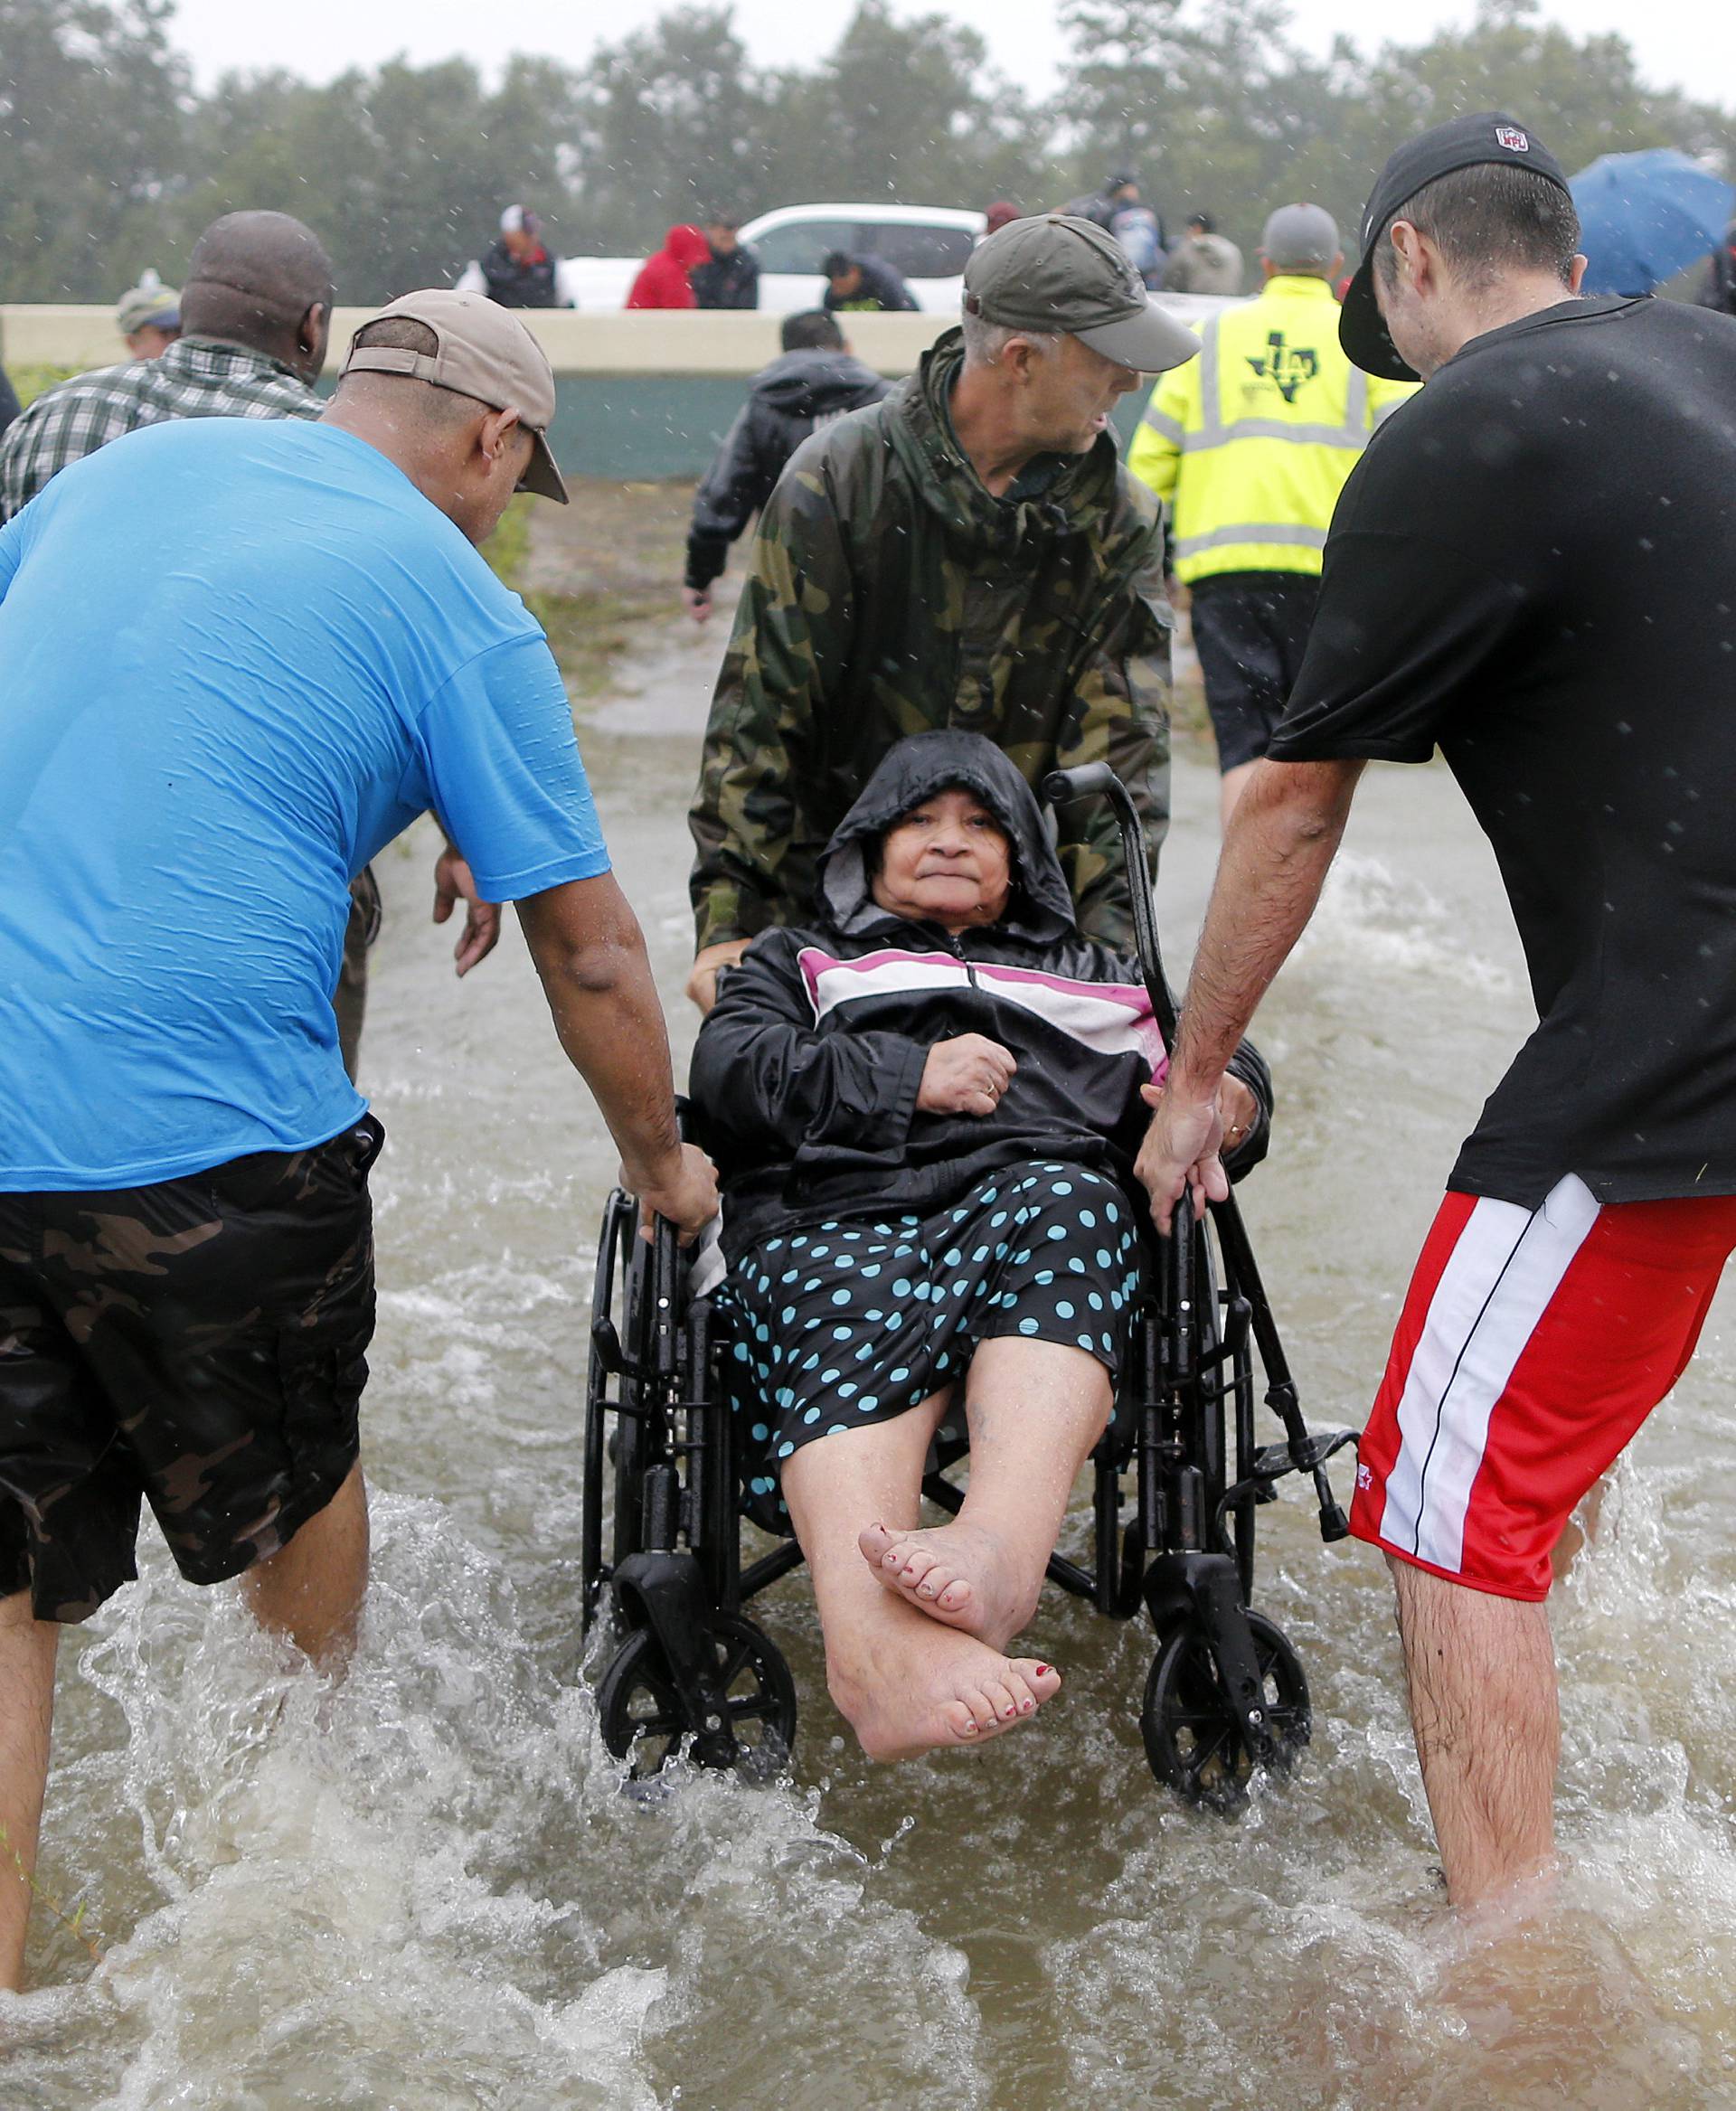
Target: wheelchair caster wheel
point(1193, 1734)
point(641, 1713)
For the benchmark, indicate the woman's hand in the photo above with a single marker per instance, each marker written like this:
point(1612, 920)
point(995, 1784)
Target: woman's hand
point(1239, 1110)
point(966, 1075)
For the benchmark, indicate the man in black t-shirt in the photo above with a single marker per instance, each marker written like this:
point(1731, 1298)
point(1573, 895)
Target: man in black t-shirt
point(1530, 568)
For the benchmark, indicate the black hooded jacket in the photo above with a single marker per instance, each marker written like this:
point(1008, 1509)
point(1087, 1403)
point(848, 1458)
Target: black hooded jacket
point(727, 282)
point(787, 400)
point(806, 1074)
point(530, 284)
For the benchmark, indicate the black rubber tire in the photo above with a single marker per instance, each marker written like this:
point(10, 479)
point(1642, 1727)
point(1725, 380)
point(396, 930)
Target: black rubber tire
point(641, 1712)
point(1193, 1735)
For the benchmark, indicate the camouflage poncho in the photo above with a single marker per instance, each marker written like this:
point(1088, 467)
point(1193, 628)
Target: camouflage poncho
point(888, 593)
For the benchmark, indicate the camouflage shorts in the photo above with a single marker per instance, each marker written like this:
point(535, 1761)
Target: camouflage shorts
point(199, 1342)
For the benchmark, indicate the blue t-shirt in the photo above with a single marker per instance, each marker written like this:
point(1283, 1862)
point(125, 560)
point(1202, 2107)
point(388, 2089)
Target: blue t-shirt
point(238, 657)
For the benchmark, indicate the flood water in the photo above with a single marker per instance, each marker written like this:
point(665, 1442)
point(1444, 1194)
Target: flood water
point(424, 1891)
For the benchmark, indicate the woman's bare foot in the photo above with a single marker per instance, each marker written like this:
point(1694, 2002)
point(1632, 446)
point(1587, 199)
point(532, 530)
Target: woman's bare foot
point(924, 1687)
point(959, 1574)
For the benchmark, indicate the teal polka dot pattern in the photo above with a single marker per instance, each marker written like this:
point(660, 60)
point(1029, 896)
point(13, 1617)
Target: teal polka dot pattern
point(901, 1304)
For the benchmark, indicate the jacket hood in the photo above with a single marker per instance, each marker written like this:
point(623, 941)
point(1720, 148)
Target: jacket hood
point(1086, 495)
point(687, 246)
point(1038, 906)
point(812, 380)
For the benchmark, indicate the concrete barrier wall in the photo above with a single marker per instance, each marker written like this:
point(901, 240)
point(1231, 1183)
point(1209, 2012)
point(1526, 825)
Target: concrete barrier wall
point(692, 342)
point(639, 395)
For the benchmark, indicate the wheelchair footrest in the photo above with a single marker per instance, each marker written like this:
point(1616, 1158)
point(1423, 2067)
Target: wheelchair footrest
point(1273, 1461)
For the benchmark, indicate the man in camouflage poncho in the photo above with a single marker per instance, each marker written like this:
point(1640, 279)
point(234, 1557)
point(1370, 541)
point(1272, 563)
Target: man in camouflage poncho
point(967, 553)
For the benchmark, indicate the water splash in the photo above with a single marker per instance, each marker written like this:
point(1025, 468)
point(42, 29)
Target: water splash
point(1388, 921)
point(423, 1887)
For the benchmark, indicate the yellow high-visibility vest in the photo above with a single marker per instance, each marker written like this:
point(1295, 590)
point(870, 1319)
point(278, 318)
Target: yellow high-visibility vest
point(1251, 441)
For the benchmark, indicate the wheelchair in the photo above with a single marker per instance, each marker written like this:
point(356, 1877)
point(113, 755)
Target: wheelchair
point(1178, 1480)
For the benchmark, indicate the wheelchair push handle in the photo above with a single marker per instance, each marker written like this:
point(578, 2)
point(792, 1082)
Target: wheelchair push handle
point(1091, 780)
point(1088, 780)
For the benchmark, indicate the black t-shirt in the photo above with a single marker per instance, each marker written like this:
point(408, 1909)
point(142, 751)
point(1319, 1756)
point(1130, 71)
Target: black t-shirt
point(1533, 567)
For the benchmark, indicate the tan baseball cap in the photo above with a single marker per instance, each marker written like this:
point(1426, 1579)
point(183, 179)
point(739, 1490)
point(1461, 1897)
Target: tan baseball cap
point(484, 352)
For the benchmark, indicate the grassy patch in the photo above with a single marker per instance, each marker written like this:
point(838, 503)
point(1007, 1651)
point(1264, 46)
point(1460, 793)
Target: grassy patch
point(597, 573)
point(30, 381)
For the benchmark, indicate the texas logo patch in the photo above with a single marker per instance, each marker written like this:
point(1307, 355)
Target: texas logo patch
point(1285, 366)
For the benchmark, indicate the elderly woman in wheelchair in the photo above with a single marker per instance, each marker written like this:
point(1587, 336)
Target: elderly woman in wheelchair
point(924, 1111)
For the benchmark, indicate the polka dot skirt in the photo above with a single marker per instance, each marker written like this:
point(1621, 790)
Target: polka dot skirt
point(859, 1319)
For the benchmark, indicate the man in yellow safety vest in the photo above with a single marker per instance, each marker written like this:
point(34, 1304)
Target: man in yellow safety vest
point(1251, 444)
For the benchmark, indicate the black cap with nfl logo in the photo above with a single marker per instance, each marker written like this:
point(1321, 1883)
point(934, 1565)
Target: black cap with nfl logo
point(1462, 142)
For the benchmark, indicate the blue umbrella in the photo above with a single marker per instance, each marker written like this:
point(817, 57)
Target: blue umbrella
point(1647, 216)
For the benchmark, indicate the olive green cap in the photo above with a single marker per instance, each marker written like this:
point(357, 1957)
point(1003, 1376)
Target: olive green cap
point(1056, 271)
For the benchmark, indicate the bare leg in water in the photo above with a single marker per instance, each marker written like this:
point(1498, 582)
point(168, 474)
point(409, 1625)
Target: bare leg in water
point(905, 1683)
point(1035, 1410)
point(310, 1592)
point(27, 1647)
point(1483, 1709)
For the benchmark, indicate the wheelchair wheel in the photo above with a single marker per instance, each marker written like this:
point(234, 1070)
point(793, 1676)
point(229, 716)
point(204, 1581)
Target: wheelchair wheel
point(641, 1711)
point(1191, 1732)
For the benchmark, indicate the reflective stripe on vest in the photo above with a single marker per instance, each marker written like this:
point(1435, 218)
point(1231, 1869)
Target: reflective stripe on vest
point(1272, 533)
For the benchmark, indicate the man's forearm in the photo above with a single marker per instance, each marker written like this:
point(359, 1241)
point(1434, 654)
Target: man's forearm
point(590, 956)
point(1279, 846)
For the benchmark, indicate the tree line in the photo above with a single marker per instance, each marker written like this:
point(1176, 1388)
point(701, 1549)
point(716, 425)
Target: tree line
point(110, 160)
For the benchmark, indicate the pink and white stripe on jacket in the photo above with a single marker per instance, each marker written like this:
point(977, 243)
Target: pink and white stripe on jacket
point(1113, 1018)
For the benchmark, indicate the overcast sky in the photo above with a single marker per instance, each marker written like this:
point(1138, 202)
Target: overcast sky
point(1689, 43)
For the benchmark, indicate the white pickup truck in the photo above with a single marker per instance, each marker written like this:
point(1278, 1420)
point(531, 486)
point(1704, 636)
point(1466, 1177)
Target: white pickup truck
point(927, 244)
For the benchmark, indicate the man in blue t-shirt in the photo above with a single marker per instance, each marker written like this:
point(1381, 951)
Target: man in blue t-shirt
point(306, 655)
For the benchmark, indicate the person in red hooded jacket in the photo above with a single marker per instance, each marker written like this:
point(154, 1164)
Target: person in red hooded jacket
point(662, 282)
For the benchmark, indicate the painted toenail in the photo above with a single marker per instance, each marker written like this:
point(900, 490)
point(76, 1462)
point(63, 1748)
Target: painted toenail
point(1026, 1706)
point(970, 1729)
point(1011, 1714)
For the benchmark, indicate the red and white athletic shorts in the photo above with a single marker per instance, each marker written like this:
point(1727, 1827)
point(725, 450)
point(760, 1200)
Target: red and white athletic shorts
point(1532, 1344)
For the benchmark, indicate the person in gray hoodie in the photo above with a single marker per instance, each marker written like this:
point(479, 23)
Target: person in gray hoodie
point(815, 380)
point(925, 1109)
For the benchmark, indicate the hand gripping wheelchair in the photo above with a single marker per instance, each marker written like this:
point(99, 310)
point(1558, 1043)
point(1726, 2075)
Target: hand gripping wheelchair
point(1226, 1695)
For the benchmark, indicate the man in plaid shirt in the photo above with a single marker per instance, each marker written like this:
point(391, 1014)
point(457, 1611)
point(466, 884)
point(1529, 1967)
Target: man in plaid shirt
point(255, 318)
point(255, 315)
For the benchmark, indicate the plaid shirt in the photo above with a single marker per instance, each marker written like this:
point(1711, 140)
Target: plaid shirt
point(196, 377)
